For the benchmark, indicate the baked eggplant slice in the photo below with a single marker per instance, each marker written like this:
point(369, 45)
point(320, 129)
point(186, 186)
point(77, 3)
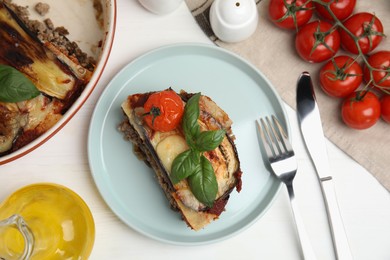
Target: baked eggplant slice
point(159, 149)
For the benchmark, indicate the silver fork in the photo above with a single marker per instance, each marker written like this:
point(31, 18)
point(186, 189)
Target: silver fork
point(284, 165)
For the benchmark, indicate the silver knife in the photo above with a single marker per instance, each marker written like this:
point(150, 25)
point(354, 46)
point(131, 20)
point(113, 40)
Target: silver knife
point(313, 135)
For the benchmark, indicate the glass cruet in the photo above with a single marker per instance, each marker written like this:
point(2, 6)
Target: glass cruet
point(45, 221)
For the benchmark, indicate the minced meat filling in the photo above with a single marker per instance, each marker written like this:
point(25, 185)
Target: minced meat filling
point(42, 8)
point(46, 31)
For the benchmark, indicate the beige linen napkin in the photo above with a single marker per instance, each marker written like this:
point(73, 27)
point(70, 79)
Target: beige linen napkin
point(272, 51)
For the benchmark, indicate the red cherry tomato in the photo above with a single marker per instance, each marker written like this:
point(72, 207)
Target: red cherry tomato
point(341, 9)
point(361, 110)
point(367, 28)
point(385, 108)
point(340, 76)
point(290, 14)
point(380, 61)
point(317, 41)
point(163, 110)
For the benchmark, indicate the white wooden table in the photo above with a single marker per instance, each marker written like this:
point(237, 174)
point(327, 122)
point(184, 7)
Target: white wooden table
point(364, 203)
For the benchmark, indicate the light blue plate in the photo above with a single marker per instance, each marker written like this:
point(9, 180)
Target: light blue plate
point(129, 187)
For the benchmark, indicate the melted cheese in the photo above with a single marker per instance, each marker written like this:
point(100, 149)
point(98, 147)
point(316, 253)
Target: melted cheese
point(169, 148)
point(50, 79)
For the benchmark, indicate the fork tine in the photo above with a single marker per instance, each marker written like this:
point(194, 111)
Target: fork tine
point(282, 135)
point(274, 136)
point(269, 140)
point(265, 139)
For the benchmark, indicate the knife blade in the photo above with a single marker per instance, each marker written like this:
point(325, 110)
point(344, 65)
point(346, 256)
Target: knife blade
point(311, 129)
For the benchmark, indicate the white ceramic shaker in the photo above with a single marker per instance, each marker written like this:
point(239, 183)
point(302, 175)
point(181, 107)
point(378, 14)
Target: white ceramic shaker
point(161, 6)
point(233, 20)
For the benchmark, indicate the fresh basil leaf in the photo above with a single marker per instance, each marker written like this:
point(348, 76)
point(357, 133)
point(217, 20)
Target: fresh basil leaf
point(190, 139)
point(14, 86)
point(203, 182)
point(209, 140)
point(190, 119)
point(184, 165)
point(191, 164)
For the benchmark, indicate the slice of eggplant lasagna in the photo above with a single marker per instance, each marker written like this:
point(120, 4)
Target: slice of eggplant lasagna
point(195, 160)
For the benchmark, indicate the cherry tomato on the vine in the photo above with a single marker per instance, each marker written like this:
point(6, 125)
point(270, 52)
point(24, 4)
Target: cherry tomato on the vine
point(290, 14)
point(361, 110)
point(163, 110)
point(385, 108)
point(317, 41)
point(367, 28)
point(380, 62)
point(341, 76)
point(342, 9)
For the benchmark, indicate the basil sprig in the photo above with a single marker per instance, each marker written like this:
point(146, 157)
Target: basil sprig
point(192, 164)
point(14, 86)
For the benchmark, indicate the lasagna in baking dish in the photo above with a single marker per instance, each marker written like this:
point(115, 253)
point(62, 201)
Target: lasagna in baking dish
point(188, 141)
point(57, 67)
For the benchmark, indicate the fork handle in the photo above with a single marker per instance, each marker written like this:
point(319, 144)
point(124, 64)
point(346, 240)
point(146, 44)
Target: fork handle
point(307, 249)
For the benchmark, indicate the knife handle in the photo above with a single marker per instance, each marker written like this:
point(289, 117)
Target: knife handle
point(339, 236)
